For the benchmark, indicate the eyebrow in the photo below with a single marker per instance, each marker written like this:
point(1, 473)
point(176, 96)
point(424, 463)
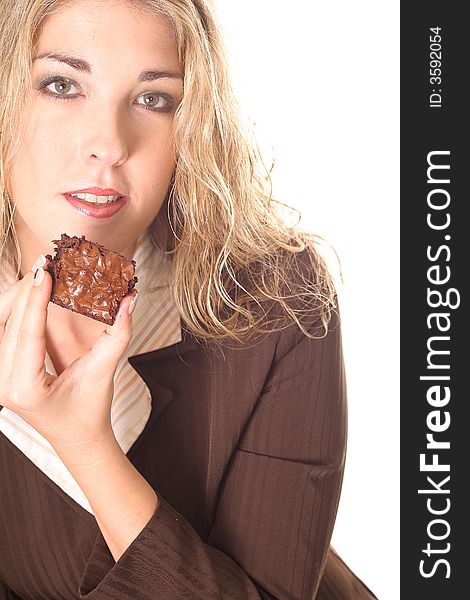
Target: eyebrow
point(82, 65)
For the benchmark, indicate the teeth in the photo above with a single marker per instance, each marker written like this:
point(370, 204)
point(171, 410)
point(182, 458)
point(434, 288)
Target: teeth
point(93, 199)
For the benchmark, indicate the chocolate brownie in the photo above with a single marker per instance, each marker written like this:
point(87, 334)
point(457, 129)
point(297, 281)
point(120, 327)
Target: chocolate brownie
point(88, 279)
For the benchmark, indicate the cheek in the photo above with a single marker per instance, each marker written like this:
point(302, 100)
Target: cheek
point(50, 143)
point(157, 162)
point(40, 159)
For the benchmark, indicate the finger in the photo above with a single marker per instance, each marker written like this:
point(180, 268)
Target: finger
point(112, 343)
point(7, 299)
point(31, 349)
point(39, 262)
point(14, 319)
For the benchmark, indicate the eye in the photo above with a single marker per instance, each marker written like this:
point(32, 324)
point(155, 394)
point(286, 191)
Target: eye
point(156, 101)
point(58, 87)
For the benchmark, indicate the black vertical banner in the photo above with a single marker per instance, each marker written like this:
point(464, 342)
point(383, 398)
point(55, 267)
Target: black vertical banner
point(435, 268)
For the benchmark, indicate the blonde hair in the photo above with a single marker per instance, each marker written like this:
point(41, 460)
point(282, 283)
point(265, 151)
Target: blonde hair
point(234, 256)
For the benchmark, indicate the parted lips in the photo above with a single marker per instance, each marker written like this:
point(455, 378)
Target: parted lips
point(88, 279)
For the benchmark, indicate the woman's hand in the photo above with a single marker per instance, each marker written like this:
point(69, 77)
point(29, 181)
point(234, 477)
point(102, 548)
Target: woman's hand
point(74, 409)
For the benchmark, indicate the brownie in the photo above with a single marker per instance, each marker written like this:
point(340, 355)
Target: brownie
point(88, 279)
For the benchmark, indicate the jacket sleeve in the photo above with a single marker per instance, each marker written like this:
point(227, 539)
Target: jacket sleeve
point(269, 543)
point(6, 593)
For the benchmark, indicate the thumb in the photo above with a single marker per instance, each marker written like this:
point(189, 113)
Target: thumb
point(112, 343)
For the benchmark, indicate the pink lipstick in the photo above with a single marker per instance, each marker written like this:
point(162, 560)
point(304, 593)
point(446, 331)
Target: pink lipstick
point(87, 202)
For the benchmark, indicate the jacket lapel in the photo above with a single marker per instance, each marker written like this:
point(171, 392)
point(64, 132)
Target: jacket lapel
point(162, 395)
point(188, 343)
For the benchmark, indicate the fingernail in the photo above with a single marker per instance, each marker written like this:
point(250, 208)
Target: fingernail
point(39, 262)
point(132, 305)
point(38, 276)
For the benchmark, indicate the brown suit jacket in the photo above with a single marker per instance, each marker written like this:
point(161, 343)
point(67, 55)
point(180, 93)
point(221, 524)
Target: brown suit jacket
point(245, 447)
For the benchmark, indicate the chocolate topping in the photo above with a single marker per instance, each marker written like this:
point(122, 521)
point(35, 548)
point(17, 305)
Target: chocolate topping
point(88, 279)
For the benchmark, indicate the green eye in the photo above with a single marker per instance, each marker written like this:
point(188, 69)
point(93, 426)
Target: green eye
point(58, 87)
point(62, 87)
point(156, 101)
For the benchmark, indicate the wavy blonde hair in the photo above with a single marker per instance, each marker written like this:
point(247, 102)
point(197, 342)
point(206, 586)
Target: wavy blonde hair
point(234, 256)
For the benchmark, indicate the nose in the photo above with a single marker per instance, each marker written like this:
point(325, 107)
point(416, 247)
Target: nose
point(104, 138)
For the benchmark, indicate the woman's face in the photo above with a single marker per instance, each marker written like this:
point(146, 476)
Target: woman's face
point(101, 115)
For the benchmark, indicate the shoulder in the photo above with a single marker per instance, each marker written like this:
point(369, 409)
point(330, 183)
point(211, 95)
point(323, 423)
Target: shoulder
point(288, 295)
point(308, 300)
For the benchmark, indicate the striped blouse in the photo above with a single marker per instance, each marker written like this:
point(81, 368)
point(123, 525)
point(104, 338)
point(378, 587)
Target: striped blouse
point(132, 401)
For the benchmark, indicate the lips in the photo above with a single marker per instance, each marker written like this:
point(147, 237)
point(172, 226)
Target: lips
point(97, 211)
point(97, 191)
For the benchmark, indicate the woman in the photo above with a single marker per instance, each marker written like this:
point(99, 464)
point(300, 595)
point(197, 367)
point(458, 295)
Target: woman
point(195, 449)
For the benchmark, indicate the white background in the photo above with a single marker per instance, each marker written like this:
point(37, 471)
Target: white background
point(321, 81)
